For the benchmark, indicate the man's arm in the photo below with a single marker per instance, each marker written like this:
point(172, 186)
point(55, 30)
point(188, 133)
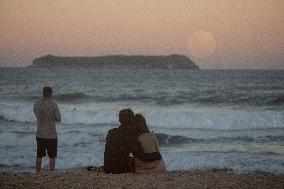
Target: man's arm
point(57, 115)
point(138, 151)
point(34, 108)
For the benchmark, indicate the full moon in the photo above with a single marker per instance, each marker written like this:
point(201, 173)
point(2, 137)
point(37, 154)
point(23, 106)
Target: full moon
point(201, 44)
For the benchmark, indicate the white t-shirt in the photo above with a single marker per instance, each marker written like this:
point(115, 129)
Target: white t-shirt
point(47, 113)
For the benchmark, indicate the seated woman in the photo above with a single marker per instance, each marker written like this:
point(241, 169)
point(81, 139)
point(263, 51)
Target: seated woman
point(149, 144)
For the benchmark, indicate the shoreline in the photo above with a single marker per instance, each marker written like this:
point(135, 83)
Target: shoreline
point(170, 179)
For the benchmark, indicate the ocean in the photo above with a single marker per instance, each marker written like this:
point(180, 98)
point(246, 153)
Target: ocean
point(204, 119)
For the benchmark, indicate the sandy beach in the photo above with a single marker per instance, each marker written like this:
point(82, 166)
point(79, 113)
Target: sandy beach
point(174, 179)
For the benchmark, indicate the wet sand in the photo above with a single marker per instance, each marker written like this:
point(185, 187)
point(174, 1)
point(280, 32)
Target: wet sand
point(174, 179)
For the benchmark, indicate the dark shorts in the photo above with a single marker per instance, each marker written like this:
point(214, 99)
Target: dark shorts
point(46, 145)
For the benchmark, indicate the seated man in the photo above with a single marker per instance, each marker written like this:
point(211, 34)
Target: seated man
point(122, 141)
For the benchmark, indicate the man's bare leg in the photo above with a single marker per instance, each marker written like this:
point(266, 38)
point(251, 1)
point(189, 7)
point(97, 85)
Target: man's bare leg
point(52, 164)
point(38, 165)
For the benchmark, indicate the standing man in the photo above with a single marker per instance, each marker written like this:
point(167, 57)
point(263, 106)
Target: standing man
point(47, 113)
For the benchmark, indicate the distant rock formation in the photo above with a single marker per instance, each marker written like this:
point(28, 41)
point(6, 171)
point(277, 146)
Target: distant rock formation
point(115, 61)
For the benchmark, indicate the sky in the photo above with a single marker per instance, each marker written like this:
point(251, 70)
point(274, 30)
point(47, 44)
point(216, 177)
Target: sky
point(233, 34)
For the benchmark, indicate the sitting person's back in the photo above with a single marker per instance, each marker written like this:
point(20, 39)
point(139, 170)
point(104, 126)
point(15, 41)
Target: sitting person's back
point(116, 153)
point(149, 144)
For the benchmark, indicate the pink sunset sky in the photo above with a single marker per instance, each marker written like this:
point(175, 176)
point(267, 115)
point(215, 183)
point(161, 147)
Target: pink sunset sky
point(249, 34)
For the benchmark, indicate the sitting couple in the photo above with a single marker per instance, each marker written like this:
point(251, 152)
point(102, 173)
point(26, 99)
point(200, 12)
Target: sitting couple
point(132, 137)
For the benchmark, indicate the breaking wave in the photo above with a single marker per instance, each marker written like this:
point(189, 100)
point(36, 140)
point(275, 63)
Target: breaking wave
point(166, 140)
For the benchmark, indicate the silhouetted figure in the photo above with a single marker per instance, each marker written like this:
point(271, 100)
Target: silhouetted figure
point(149, 144)
point(47, 113)
point(122, 141)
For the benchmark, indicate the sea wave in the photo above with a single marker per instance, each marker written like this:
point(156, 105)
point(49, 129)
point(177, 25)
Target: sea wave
point(170, 98)
point(72, 97)
point(186, 119)
point(167, 140)
point(11, 139)
point(176, 99)
point(277, 101)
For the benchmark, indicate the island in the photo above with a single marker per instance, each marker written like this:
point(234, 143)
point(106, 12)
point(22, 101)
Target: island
point(116, 61)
